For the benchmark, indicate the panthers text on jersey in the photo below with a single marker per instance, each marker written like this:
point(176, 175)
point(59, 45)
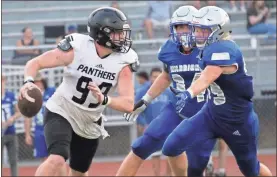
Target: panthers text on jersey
point(230, 94)
point(73, 100)
point(183, 70)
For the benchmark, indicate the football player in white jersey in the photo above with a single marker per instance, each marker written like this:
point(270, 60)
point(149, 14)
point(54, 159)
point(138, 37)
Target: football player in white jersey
point(94, 65)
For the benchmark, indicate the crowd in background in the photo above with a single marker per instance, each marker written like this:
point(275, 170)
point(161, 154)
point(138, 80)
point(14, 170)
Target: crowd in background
point(158, 16)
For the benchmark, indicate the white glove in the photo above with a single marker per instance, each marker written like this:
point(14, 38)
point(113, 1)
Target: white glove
point(138, 108)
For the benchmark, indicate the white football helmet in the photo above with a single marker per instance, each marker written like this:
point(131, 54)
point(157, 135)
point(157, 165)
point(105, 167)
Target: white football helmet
point(183, 15)
point(213, 18)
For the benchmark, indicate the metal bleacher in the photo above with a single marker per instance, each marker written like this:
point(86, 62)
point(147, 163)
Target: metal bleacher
point(37, 14)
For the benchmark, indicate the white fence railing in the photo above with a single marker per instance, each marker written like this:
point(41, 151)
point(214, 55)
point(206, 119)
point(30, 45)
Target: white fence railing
point(135, 42)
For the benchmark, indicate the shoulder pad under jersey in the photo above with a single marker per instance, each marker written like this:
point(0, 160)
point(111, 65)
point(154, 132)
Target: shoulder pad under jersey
point(222, 53)
point(131, 59)
point(166, 50)
point(74, 40)
point(64, 45)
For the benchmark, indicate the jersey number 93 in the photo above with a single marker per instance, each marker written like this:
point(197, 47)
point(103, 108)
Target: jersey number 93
point(81, 87)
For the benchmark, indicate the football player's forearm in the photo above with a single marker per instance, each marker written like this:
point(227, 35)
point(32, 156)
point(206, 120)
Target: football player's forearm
point(33, 66)
point(199, 86)
point(207, 77)
point(49, 59)
point(159, 85)
point(31, 69)
point(122, 103)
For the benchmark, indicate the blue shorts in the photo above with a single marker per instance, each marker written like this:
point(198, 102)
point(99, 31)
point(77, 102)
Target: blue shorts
point(241, 138)
point(40, 148)
point(156, 133)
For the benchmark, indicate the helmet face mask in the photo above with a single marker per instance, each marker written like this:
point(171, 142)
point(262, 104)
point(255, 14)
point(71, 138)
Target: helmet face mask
point(109, 28)
point(183, 38)
point(180, 30)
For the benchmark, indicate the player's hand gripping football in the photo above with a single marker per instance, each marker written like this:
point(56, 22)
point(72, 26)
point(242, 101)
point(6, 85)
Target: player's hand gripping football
point(96, 91)
point(24, 89)
point(139, 107)
point(182, 99)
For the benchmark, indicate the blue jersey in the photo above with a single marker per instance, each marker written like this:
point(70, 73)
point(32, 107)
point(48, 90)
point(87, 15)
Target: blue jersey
point(230, 95)
point(156, 106)
point(8, 103)
point(39, 117)
point(183, 70)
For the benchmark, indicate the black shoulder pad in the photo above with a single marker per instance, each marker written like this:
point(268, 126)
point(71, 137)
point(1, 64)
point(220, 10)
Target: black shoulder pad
point(134, 66)
point(64, 45)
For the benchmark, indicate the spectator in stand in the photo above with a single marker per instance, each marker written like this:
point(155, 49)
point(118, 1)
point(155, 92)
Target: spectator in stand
point(115, 4)
point(158, 15)
point(257, 16)
point(70, 29)
point(27, 40)
point(197, 3)
point(234, 7)
point(10, 114)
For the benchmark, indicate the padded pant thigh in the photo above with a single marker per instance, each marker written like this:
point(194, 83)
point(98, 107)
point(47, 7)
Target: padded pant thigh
point(82, 151)
point(58, 134)
point(146, 145)
point(164, 124)
point(156, 133)
point(244, 143)
point(189, 132)
point(198, 157)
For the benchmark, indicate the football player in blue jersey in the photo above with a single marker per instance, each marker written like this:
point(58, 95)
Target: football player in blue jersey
point(229, 112)
point(181, 68)
point(10, 114)
point(40, 148)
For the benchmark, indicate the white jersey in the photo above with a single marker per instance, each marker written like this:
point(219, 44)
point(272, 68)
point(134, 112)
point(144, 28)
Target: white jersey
point(73, 100)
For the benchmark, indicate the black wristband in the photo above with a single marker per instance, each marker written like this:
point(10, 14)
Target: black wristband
point(28, 81)
point(105, 100)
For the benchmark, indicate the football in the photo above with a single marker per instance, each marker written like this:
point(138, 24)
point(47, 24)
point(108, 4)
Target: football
point(30, 109)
